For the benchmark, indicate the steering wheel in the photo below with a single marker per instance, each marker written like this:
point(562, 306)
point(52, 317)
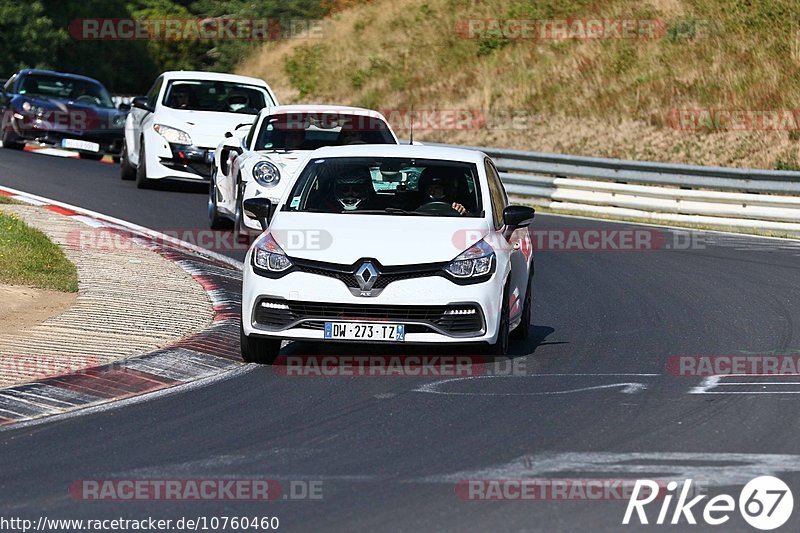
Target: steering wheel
point(87, 99)
point(437, 208)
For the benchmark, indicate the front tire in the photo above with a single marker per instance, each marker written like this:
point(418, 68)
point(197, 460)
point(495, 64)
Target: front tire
point(258, 350)
point(215, 220)
point(126, 170)
point(500, 346)
point(141, 170)
point(522, 331)
point(240, 232)
point(9, 142)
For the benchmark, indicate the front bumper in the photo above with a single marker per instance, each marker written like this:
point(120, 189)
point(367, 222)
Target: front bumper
point(417, 303)
point(109, 140)
point(194, 161)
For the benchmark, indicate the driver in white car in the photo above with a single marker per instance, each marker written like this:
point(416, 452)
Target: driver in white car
point(435, 189)
point(353, 192)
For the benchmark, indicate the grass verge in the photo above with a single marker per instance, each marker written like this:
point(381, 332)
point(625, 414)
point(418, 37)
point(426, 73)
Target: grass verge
point(28, 257)
point(6, 200)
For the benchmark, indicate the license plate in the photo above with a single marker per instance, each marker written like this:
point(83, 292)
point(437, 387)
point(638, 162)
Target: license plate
point(360, 331)
point(75, 144)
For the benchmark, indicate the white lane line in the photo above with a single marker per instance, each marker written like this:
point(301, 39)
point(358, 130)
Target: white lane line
point(710, 469)
point(27, 200)
point(627, 387)
point(719, 382)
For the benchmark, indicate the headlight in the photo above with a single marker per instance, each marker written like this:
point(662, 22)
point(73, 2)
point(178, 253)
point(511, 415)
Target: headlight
point(266, 174)
point(475, 262)
point(268, 255)
point(173, 135)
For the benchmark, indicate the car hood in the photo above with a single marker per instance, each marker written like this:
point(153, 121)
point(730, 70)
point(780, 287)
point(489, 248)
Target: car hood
point(206, 128)
point(287, 162)
point(392, 240)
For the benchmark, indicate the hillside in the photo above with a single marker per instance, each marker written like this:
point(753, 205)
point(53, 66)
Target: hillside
point(714, 82)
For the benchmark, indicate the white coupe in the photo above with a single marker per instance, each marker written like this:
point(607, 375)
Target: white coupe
point(260, 161)
point(172, 132)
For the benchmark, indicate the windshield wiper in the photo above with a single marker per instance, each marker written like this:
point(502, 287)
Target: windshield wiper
point(387, 211)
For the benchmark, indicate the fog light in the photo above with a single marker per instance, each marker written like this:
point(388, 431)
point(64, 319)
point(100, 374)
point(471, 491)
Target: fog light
point(459, 312)
point(271, 305)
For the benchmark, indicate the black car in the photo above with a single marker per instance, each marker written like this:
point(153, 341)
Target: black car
point(61, 110)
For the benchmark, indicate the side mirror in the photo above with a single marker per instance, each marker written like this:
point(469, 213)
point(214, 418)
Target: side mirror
point(518, 216)
point(259, 209)
point(124, 107)
point(140, 102)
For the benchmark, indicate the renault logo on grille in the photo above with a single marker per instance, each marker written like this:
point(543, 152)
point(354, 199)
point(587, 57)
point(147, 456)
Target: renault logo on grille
point(366, 276)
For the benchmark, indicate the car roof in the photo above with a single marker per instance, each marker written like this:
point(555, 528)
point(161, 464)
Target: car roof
point(60, 74)
point(401, 150)
point(211, 76)
point(321, 108)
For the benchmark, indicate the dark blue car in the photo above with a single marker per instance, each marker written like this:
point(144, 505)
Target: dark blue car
point(61, 110)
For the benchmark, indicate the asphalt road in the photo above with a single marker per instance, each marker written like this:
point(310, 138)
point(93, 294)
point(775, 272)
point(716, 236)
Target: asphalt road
point(592, 397)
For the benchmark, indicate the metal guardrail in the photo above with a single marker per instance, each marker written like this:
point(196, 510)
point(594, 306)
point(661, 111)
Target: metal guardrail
point(730, 197)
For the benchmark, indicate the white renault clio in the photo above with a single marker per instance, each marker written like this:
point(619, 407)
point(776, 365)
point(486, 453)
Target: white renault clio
point(437, 258)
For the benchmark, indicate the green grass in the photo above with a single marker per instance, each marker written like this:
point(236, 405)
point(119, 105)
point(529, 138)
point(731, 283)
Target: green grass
point(28, 257)
point(6, 200)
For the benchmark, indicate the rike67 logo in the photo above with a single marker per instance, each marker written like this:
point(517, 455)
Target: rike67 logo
point(765, 503)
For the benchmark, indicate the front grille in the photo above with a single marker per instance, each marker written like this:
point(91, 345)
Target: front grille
point(281, 314)
point(386, 275)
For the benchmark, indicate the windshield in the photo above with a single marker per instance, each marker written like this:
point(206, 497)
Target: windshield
point(391, 186)
point(64, 88)
point(225, 97)
point(309, 131)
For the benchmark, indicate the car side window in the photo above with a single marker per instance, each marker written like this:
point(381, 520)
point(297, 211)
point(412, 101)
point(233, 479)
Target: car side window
point(250, 134)
point(497, 192)
point(152, 95)
point(8, 87)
